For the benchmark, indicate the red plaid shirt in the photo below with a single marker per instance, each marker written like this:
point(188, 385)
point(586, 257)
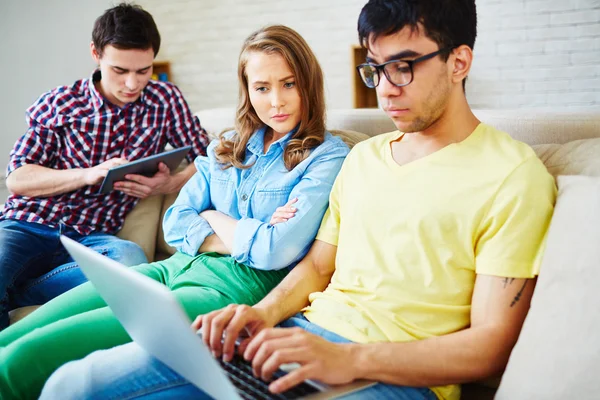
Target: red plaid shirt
point(74, 127)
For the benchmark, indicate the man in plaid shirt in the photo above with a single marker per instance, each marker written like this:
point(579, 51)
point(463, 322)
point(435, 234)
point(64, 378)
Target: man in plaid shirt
point(76, 134)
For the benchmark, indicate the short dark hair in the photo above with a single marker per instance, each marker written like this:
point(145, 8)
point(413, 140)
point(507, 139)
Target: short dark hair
point(446, 22)
point(126, 26)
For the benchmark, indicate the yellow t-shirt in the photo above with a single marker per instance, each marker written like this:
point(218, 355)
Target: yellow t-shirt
point(412, 238)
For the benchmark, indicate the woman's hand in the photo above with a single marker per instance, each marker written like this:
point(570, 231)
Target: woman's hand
point(283, 213)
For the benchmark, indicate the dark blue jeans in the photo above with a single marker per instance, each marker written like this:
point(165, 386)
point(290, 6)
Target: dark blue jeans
point(35, 267)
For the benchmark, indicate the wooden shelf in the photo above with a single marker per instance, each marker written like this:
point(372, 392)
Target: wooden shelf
point(363, 97)
point(161, 71)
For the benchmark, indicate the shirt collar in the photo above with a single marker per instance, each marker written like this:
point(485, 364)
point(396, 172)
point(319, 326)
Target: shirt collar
point(98, 100)
point(256, 144)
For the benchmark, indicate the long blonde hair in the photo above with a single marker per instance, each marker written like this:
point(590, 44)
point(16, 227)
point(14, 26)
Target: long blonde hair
point(278, 39)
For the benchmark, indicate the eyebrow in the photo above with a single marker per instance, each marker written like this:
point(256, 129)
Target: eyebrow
point(126, 70)
point(398, 56)
point(266, 83)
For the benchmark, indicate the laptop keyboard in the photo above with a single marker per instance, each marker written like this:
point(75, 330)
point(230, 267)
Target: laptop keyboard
point(250, 387)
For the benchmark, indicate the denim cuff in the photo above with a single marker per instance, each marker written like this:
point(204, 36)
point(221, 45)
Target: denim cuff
point(243, 238)
point(195, 236)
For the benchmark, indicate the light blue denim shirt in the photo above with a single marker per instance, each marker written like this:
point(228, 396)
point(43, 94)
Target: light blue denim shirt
point(252, 195)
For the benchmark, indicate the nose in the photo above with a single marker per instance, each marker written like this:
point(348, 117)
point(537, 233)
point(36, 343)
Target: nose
point(386, 88)
point(131, 82)
point(277, 99)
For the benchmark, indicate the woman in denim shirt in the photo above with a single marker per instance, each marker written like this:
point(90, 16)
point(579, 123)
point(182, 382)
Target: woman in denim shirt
point(234, 244)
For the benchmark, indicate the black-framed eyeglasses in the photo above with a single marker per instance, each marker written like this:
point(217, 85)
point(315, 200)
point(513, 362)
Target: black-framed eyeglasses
point(398, 72)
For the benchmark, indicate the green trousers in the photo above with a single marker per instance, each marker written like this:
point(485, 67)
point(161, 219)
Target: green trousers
point(78, 322)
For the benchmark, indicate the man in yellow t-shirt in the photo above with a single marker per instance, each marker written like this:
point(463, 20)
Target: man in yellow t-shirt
point(423, 270)
point(426, 259)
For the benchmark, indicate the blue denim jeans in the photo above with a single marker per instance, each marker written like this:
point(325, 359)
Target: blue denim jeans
point(128, 372)
point(35, 267)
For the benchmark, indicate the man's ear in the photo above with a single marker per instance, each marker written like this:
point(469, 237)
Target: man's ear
point(95, 54)
point(461, 60)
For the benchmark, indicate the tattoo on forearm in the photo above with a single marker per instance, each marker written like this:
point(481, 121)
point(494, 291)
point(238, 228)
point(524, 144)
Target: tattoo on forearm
point(518, 296)
point(508, 281)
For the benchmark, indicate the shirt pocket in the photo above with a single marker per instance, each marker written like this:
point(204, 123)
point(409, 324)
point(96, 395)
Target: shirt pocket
point(223, 194)
point(145, 135)
point(77, 148)
point(266, 200)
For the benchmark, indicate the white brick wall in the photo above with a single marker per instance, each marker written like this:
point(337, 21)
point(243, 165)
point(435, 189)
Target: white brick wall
point(536, 53)
point(202, 39)
point(529, 53)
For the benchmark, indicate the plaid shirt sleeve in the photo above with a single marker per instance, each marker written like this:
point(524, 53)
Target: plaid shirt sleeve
point(185, 127)
point(38, 144)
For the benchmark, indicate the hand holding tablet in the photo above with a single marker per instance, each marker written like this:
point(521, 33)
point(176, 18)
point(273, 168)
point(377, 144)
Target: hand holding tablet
point(145, 166)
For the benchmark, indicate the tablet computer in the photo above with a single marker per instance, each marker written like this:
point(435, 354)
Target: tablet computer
point(147, 166)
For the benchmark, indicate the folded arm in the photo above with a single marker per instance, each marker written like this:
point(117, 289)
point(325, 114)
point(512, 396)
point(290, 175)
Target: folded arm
point(272, 240)
point(213, 244)
point(264, 246)
point(224, 226)
point(184, 228)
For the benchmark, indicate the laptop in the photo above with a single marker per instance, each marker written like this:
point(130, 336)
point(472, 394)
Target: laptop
point(156, 322)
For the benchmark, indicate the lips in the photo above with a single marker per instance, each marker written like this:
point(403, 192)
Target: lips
point(280, 117)
point(395, 112)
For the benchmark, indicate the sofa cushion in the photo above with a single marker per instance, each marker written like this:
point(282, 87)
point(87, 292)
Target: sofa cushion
point(141, 224)
point(532, 126)
point(20, 313)
point(215, 120)
point(350, 137)
point(163, 250)
point(538, 126)
point(370, 121)
point(579, 157)
point(557, 355)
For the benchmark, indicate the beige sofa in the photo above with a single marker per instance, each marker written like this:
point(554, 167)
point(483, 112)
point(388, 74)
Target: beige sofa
point(533, 127)
point(569, 144)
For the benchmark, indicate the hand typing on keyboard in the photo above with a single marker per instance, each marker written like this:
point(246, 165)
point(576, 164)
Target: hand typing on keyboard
point(221, 329)
point(269, 348)
point(319, 359)
point(241, 374)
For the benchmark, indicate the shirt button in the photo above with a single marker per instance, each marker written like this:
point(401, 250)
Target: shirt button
point(244, 197)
